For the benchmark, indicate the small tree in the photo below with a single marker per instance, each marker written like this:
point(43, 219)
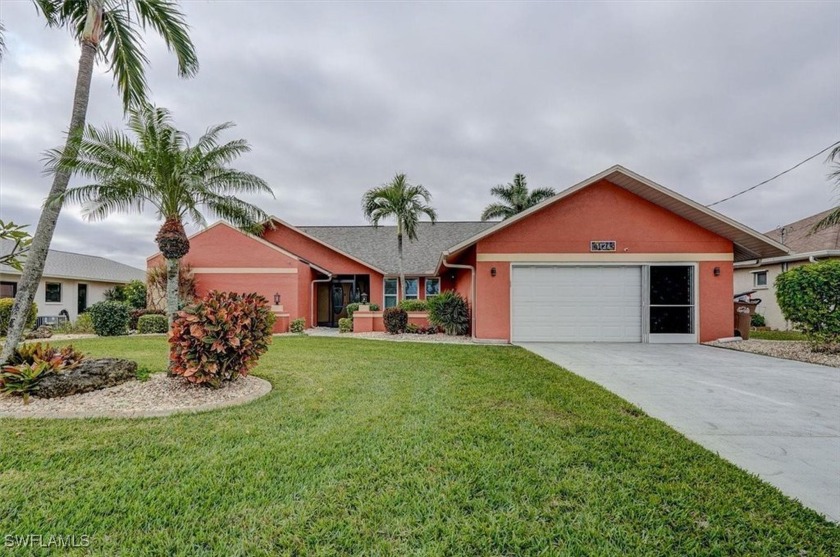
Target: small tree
point(809, 296)
point(135, 294)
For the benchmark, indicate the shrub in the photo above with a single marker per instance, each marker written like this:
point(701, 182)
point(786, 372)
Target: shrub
point(30, 363)
point(298, 325)
point(136, 314)
point(109, 318)
point(152, 323)
point(345, 325)
point(395, 320)
point(62, 358)
point(6, 315)
point(115, 293)
point(82, 325)
point(809, 296)
point(450, 311)
point(757, 320)
point(412, 329)
point(354, 307)
point(23, 379)
point(414, 305)
point(135, 294)
point(220, 338)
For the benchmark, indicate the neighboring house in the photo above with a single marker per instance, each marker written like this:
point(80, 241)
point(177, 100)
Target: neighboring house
point(71, 281)
point(615, 258)
point(760, 274)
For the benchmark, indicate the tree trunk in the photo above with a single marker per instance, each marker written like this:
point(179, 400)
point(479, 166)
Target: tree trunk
point(37, 256)
point(402, 275)
point(172, 298)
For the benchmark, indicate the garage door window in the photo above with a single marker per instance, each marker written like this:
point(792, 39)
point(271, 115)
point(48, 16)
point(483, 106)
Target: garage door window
point(671, 300)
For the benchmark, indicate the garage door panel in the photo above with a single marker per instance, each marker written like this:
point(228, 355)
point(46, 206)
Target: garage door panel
point(576, 304)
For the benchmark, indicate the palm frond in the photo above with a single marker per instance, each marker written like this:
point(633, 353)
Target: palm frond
point(169, 22)
point(122, 43)
point(495, 211)
point(832, 219)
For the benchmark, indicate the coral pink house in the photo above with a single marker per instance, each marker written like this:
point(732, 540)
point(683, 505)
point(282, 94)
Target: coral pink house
point(615, 258)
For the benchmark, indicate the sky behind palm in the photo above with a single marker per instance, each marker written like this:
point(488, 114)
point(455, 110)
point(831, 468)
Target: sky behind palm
point(704, 98)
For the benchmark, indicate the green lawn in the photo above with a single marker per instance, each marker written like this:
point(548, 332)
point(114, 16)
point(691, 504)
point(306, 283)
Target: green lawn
point(393, 449)
point(777, 335)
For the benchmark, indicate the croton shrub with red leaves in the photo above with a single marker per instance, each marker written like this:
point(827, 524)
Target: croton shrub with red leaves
point(220, 337)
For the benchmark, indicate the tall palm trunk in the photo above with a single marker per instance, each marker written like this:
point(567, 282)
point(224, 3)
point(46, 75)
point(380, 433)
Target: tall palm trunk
point(33, 270)
point(400, 252)
point(172, 294)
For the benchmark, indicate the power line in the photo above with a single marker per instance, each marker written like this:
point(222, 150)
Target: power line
point(815, 155)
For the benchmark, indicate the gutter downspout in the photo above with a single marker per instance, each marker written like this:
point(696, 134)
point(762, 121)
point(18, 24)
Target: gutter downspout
point(314, 321)
point(472, 281)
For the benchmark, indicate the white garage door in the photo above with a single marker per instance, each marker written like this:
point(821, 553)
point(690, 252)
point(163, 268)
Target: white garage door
point(576, 304)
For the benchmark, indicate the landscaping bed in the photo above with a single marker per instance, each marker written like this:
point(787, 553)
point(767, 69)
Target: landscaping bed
point(158, 396)
point(403, 449)
point(787, 349)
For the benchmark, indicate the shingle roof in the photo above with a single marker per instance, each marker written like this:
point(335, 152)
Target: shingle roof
point(378, 246)
point(65, 264)
point(797, 237)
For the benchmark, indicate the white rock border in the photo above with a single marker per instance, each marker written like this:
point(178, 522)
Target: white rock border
point(98, 404)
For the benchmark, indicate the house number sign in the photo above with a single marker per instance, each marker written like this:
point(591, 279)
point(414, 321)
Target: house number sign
point(602, 245)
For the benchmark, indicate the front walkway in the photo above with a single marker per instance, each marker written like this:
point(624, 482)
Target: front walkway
point(779, 419)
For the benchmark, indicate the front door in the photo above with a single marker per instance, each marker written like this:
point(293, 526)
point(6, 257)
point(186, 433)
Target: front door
point(671, 303)
point(82, 299)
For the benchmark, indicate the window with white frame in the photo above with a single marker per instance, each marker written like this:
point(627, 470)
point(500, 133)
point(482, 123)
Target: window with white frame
point(390, 297)
point(52, 292)
point(432, 287)
point(412, 288)
point(760, 279)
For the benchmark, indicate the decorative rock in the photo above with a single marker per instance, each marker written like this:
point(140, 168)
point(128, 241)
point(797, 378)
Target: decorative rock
point(91, 375)
point(41, 332)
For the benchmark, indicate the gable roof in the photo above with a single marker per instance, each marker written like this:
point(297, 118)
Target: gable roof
point(748, 243)
point(262, 241)
point(65, 264)
point(377, 247)
point(797, 236)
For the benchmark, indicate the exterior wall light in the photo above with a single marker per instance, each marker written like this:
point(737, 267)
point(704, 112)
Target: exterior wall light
point(717, 271)
point(277, 299)
point(492, 271)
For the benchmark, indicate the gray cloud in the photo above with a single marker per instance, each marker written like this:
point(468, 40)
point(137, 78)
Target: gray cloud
point(336, 98)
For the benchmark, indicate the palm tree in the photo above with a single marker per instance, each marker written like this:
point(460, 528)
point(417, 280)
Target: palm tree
point(516, 198)
point(405, 203)
point(159, 167)
point(111, 29)
point(833, 217)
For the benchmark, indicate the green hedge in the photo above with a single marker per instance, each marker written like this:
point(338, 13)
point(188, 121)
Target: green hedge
point(298, 325)
point(414, 305)
point(345, 325)
point(110, 319)
point(809, 296)
point(6, 315)
point(152, 323)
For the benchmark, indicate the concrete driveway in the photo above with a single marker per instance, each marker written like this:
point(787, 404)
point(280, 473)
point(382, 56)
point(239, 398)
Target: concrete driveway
point(776, 418)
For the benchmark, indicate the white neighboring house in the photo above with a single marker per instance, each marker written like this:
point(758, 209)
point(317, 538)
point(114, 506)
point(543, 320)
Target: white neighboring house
point(71, 281)
point(760, 274)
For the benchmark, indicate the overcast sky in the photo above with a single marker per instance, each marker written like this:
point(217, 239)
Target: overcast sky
point(706, 99)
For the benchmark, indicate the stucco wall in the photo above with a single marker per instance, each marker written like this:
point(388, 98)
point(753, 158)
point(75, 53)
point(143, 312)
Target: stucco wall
point(603, 211)
point(69, 294)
